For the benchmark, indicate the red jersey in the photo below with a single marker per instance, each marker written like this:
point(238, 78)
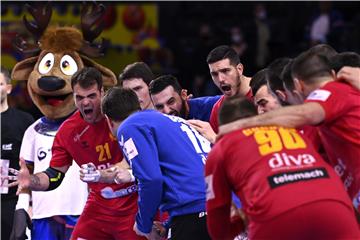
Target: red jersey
point(340, 131)
point(272, 170)
point(84, 142)
point(214, 116)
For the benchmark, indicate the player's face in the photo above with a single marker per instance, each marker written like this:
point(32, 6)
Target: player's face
point(265, 101)
point(168, 101)
point(5, 88)
point(141, 90)
point(226, 76)
point(88, 101)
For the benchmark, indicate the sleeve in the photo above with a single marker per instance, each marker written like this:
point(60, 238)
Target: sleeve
point(140, 150)
point(27, 146)
point(60, 155)
point(218, 196)
point(331, 101)
point(214, 118)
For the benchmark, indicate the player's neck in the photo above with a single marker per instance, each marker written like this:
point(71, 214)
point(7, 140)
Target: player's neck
point(245, 85)
point(4, 106)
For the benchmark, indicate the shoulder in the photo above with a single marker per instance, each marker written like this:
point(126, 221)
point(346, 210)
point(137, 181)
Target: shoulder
point(204, 100)
point(21, 115)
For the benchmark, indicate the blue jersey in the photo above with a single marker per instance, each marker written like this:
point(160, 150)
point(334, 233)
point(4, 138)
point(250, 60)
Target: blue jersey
point(167, 157)
point(200, 108)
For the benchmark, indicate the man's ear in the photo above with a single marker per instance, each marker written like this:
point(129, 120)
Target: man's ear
point(281, 95)
point(183, 94)
point(299, 85)
point(240, 68)
point(8, 88)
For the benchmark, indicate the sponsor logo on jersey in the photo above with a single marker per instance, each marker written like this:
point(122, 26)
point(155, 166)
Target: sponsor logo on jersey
point(287, 161)
point(7, 147)
point(320, 95)
point(42, 153)
point(130, 149)
point(78, 135)
point(209, 187)
point(280, 179)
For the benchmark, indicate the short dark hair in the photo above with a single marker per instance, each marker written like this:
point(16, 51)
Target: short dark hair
point(309, 66)
point(137, 70)
point(274, 81)
point(286, 76)
point(119, 103)
point(323, 49)
point(87, 77)
point(258, 80)
point(223, 52)
point(350, 59)
point(6, 74)
point(162, 82)
point(278, 65)
point(234, 108)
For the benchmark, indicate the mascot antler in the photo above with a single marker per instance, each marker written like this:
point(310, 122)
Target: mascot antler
point(63, 51)
point(91, 27)
point(42, 16)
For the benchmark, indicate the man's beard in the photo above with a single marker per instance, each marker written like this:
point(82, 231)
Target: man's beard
point(183, 112)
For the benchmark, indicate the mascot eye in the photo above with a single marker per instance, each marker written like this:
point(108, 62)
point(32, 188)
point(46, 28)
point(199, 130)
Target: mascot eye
point(68, 65)
point(46, 63)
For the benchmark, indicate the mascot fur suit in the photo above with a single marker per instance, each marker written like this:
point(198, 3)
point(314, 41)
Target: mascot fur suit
point(58, 54)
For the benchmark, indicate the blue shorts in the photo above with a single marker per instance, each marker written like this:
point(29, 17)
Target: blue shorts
point(50, 229)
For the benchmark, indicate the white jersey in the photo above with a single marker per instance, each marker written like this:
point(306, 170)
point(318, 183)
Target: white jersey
point(67, 199)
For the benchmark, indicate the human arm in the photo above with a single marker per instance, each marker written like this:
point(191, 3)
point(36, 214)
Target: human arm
point(141, 152)
point(227, 229)
point(36, 182)
point(350, 75)
point(309, 113)
point(223, 218)
point(119, 173)
point(204, 129)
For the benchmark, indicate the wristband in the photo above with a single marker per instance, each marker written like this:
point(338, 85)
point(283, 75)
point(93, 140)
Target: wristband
point(23, 201)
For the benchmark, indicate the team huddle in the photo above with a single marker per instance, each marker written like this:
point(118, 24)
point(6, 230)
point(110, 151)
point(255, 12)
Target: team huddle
point(275, 157)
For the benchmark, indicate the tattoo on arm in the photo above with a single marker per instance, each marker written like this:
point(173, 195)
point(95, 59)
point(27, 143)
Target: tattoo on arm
point(35, 182)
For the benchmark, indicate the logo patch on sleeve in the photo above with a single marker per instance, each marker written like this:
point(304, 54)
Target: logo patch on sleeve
point(130, 150)
point(209, 187)
point(320, 95)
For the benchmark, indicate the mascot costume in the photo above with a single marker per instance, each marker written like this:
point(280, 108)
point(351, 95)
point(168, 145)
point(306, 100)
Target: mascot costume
point(58, 53)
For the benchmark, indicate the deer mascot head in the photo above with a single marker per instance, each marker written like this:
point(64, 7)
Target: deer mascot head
point(60, 53)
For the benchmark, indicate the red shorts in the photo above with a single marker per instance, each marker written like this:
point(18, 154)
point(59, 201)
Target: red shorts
point(318, 220)
point(100, 227)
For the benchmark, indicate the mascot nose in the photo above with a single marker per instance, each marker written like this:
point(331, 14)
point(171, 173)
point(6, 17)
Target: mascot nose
point(51, 83)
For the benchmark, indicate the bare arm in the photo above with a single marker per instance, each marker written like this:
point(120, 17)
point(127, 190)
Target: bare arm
point(34, 182)
point(350, 75)
point(310, 113)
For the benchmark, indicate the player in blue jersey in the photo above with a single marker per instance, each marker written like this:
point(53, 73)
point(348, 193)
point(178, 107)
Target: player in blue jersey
point(167, 157)
point(168, 97)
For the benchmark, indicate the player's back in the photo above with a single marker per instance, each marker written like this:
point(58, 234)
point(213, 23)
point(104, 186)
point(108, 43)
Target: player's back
point(181, 153)
point(275, 169)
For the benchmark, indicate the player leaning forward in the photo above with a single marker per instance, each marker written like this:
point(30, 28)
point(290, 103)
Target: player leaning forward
point(85, 137)
point(167, 158)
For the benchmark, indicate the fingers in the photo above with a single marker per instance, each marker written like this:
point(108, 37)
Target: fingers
point(195, 122)
point(22, 163)
point(13, 171)
point(13, 184)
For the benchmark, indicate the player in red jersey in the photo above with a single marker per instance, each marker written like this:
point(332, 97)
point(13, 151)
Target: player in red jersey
point(227, 73)
point(332, 105)
point(85, 137)
point(287, 190)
